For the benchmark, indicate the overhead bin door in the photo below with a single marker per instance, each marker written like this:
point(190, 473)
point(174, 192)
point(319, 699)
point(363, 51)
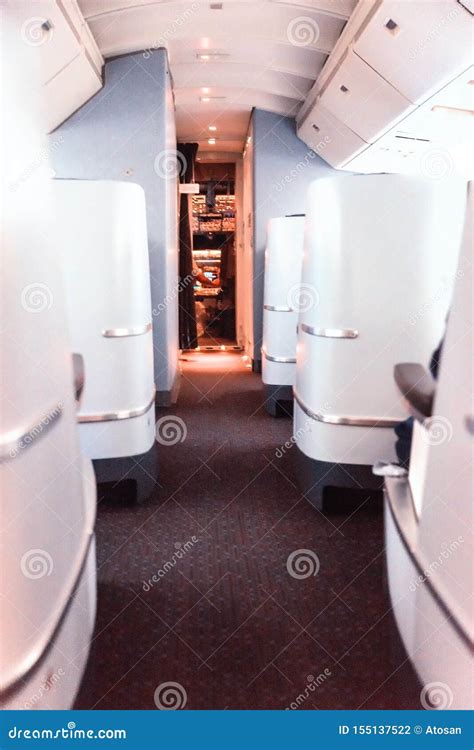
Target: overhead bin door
point(418, 46)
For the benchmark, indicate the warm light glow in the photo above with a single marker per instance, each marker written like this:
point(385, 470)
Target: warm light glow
point(212, 127)
point(223, 347)
point(205, 90)
point(211, 141)
point(205, 99)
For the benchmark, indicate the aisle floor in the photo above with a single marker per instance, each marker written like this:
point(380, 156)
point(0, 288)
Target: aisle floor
point(223, 618)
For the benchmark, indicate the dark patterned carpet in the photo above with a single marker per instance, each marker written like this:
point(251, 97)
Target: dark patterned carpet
point(224, 618)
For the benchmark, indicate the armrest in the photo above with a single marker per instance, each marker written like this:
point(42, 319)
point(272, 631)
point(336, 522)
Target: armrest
point(418, 387)
point(79, 374)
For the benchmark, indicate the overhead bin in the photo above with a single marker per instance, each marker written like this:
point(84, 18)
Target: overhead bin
point(329, 137)
point(48, 567)
point(282, 297)
point(381, 252)
point(418, 47)
point(428, 524)
point(361, 99)
point(107, 276)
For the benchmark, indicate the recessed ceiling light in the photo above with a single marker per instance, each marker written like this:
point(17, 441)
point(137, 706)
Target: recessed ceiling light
point(205, 90)
point(208, 55)
point(212, 127)
point(211, 141)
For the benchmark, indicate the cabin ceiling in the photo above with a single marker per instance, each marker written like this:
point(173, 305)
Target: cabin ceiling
point(260, 54)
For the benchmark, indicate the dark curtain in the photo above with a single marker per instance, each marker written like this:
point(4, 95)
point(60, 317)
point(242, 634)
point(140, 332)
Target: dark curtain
point(187, 308)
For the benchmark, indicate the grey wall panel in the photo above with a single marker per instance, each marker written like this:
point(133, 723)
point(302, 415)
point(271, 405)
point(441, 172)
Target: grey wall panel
point(127, 132)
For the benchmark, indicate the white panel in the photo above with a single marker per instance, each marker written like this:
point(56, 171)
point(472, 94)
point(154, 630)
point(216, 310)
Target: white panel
point(362, 100)
point(48, 491)
point(69, 90)
point(329, 137)
point(380, 253)
point(430, 45)
point(106, 270)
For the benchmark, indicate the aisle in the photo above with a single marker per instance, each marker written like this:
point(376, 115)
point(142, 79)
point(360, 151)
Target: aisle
point(196, 587)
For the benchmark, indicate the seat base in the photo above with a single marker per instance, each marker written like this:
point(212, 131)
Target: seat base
point(315, 476)
point(127, 480)
point(279, 400)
